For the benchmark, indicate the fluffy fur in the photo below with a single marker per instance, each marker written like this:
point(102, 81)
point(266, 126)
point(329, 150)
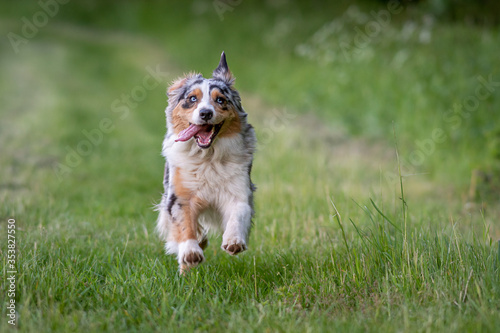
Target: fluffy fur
point(207, 184)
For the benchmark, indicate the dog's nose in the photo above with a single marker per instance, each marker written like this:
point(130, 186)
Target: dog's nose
point(206, 114)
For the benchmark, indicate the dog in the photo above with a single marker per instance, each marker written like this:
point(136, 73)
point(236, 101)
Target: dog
point(208, 150)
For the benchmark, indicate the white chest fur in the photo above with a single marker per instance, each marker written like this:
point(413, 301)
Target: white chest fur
point(218, 175)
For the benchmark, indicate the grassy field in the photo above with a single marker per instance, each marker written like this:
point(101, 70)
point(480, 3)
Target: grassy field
point(340, 241)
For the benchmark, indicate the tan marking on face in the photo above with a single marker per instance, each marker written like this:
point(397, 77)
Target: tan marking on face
point(182, 114)
point(232, 124)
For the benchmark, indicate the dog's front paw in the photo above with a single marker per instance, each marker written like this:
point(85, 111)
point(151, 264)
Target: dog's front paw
point(190, 254)
point(234, 245)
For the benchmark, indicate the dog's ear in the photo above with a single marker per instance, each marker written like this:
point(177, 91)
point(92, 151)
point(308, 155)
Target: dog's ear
point(175, 91)
point(178, 87)
point(222, 71)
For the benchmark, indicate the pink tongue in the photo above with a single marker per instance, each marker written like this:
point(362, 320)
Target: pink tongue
point(192, 130)
point(189, 132)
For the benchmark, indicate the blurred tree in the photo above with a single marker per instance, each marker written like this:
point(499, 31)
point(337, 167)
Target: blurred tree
point(485, 181)
point(479, 12)
point(483, 12)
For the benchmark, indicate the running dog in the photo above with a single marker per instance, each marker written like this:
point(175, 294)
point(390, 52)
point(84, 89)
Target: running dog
point(208, 150)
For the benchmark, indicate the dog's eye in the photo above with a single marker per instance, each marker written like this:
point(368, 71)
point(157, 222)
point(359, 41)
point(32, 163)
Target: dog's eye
point(219, 100)
point(193, 99)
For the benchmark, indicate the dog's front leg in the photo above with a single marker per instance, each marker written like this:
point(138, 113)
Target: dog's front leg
point(184, 233)
point(237, 223)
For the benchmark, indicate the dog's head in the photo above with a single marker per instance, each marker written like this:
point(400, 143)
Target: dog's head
point(205, 109)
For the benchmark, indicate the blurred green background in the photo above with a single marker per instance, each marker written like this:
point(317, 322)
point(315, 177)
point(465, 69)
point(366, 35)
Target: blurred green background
point(333, 89)
point(311, 57)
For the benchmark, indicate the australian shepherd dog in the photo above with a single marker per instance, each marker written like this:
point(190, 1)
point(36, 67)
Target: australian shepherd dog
point(208, 151)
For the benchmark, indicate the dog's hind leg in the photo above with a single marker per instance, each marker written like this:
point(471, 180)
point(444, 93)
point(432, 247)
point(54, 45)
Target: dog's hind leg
point(163, 225)
point(202, 238)
point(164, 221)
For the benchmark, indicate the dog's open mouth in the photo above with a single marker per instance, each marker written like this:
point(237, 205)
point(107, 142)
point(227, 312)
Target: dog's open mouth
point(203, 134)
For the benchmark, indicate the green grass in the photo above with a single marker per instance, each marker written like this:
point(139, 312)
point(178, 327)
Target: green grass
point(88, 257)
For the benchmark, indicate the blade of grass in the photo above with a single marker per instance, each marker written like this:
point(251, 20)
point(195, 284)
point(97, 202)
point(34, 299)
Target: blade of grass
point(384, 216)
